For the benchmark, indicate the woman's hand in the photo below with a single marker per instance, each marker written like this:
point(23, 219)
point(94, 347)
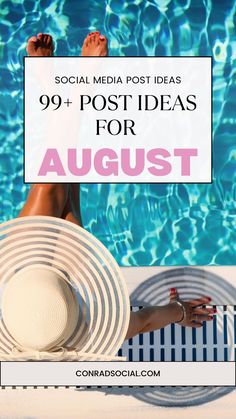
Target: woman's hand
point(192, 313)
point(186, 313)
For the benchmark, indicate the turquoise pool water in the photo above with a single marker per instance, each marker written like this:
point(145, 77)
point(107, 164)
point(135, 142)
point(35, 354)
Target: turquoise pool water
point(140, 224)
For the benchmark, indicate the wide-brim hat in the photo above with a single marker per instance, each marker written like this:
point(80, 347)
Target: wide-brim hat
point(62, 294)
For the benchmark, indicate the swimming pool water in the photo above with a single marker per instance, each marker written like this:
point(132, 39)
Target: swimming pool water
point(141, 224)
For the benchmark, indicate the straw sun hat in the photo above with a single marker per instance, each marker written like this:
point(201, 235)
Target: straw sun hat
point(62, 295)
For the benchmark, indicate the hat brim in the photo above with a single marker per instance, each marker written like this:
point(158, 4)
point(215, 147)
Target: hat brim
point(86, 264)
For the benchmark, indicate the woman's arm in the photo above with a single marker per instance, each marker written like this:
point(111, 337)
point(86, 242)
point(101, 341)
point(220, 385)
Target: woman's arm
point(152, 318)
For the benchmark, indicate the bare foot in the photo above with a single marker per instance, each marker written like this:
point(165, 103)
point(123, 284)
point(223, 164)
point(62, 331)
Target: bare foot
point(40, 45)
point(95, 45)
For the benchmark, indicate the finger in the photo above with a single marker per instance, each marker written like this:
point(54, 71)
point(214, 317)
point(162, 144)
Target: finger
point(201, 318)
point(196, 324)
point(206, 318)
point(204, 311)
point(173, 294)
point(200, 301)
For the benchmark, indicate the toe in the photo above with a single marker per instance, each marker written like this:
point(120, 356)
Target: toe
point(104, 43)
point(31, 46)
point(103, 39)
point(85, 43)
point(40, 35)
point(90, 40)
point(87, 40)
point(32, 39)
point(93, 38)
point(48, 40)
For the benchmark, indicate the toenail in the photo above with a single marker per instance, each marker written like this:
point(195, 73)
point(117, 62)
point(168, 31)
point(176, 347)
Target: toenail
point(102, 37)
